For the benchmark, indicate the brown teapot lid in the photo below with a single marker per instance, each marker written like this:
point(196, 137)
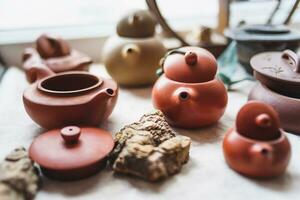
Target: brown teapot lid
point(259, 121)
point(190, 65)
point(71, 149)
point(278, 70)
point(137, 24)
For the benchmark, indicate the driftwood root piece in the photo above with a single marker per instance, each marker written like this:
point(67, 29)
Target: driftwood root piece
point(19, 177)
point(149, 149)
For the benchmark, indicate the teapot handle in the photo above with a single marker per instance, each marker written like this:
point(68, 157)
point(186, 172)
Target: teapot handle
point(289, 54)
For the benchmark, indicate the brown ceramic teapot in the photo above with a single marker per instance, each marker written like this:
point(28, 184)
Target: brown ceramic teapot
point(257, 147)
point(132, 56)
point(279, 77)
point(55, 54)
point(57, 100)
point(189, 93)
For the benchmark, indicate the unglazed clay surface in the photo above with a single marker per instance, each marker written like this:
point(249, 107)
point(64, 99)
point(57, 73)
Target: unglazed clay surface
point(70, 98)
point(63, 158)
point(257, 147)
point(205, 176)
point(132, 56)
point(54, 55)
point(188, 92)
point(279, 77)
point(133, 61)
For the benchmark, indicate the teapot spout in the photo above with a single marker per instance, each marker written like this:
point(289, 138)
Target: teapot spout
point(106, 93)
point(183, 94)
point(262, 154)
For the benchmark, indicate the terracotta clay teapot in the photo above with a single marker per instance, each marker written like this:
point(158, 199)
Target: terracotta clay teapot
point(278, 74)
point(71, 153)
point(67, 98)
point(189, 93)
point(55, 54)
point(257, 147)
point(132, 56)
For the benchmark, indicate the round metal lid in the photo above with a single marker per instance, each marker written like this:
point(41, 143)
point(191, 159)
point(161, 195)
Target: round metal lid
point(71, 149)
point(190, 65)
point(263, 33)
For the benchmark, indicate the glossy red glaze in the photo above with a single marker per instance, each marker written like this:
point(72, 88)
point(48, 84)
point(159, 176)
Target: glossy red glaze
point(66, 161)
point(193, 65)
point(190, 105)
point(257, 147)
point(70, 98)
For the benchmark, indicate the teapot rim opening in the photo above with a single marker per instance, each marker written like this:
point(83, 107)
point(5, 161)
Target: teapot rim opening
point(69, 83)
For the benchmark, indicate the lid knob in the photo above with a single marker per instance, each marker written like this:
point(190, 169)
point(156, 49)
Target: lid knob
point(263, 120)
point(288, 54)
point(190, 58)
point(70, 134)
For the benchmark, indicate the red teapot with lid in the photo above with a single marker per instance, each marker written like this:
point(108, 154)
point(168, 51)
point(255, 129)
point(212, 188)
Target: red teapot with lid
point(257, 146)
point(188, 92)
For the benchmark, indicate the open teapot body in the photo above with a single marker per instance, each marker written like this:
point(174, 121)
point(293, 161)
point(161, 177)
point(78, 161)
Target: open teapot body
point(69, 98)
point(188, 93)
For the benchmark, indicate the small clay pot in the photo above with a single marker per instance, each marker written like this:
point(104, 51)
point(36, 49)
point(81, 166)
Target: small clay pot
point(132, 56)
point(71, 153)
point(188, 93)
point(57, 100)
point(55, 54)
point(257, 147)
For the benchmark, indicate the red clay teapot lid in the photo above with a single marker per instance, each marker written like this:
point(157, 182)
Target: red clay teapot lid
point(259, 121)
point(278, 70)
point(190, 65)
point(71, 149)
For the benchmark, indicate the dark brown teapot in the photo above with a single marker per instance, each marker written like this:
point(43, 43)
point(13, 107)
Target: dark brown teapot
point(279, 77)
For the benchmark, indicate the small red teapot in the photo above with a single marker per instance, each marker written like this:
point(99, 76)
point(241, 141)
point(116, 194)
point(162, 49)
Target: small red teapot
point(189, 93)
point(257, 147)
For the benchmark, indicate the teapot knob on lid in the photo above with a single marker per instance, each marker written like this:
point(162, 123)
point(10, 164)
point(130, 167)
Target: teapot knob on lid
point(288, 54)
point(190, 58)
point(70, 134)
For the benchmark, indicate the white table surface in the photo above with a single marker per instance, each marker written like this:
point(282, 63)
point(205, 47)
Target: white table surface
point(205, 176)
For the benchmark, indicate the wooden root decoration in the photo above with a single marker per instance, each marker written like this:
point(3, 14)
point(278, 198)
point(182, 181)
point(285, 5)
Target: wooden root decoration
point(19, 178)
point(149, 149)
